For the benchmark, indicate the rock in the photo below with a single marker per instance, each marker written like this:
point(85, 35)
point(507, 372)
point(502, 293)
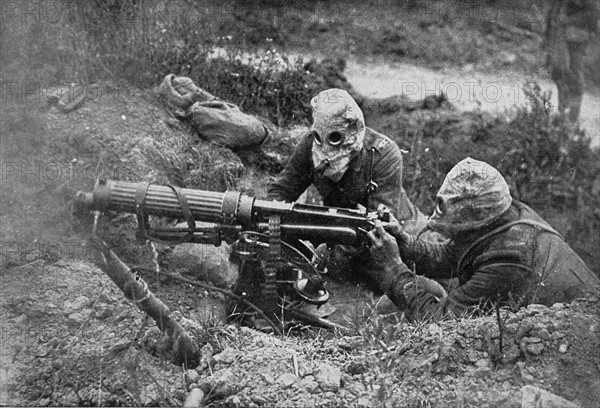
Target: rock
point(120, 346)
point(473, 356)
point(534, 309)
point(191, 376)
point(525, 375)
point(543, 334)
point(328, 377)
point(51, 294)
point(484, 367)
point(206, 262)
point(35, 310)
point(76, 318)
point(227, 356)
point(20, 319)
point(44, 402)
point(558, 306)
point(535, 348)
point(222, 384)
point(484, 363)
point(234, 401)
point(357, 367)
point(79, 303)
point(106, 299)
point(194, 398)
point(309, 384)
point(286, 380)
point(563, 348)
point(257, 399)
point(434, 329)
point(150, 396)
point(269, 379)
point(364, 402)
point(536, 397)
point(103, 312)
point(511, 354)
point(350, 343)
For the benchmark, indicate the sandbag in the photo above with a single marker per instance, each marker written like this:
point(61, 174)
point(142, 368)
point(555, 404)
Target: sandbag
point(219, 122)
point(224, 124)
point(181, 92)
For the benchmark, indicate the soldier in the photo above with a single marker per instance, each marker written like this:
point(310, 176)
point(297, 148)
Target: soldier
point(570, 30)
point(351, 166)
point(499, 249)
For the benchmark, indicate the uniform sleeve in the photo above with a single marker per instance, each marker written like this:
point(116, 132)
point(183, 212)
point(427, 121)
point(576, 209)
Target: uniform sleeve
point(431, 259)
point(295, 177)
point(501, 275)
point(387, 173)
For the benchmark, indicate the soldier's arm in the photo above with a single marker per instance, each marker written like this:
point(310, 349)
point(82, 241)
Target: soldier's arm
point(296, 176)
point(435, 260)
point(499, 276)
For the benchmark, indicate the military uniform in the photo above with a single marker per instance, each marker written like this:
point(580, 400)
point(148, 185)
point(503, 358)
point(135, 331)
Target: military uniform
point(379, 161)
point(517, 260)
point(572, 26)
point(499, 250)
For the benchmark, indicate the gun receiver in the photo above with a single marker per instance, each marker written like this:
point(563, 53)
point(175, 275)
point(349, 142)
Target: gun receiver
point(231, 212)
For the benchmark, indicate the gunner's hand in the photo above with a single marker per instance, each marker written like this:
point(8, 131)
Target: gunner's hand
point(393, 226)
point(387, 263)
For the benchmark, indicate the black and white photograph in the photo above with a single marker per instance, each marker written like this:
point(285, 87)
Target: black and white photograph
point(300, 203)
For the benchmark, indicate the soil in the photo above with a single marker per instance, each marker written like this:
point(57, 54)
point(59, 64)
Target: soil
point(69, 339)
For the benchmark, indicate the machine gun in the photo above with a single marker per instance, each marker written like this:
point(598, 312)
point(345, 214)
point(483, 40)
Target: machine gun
point(277, 271)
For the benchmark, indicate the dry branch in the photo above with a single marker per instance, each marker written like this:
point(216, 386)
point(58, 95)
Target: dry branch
point(135, 289)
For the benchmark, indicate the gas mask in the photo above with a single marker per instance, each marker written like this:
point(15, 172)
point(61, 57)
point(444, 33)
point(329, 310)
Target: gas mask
point(338, 133)
point(473, 195)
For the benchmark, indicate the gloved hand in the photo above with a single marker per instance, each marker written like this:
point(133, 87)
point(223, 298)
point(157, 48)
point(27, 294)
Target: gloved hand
point(388, 269)
point(394, 227)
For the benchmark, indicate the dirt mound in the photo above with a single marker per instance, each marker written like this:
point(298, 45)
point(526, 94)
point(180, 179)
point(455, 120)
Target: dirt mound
point(74, 340)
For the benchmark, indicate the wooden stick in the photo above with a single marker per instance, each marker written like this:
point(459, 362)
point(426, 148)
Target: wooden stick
point(135, 289)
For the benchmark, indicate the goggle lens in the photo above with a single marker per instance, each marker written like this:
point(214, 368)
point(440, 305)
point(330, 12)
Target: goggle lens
point(335, 138)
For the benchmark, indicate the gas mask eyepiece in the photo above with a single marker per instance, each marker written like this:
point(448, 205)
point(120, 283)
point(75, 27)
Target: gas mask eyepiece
point(333, 139)
point(441, 206)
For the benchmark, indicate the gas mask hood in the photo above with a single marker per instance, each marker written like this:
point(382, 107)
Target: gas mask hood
point(338, 132)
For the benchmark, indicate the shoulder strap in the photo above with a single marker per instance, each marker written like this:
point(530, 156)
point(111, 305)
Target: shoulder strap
point(371, 185)
point(503, 228)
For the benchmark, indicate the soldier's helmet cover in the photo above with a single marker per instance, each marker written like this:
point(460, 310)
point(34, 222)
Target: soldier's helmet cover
point(338, 131)
point(473, 195)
